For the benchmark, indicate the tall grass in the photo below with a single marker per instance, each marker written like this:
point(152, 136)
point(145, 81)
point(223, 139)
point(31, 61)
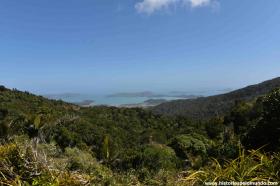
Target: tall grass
point(249, 166)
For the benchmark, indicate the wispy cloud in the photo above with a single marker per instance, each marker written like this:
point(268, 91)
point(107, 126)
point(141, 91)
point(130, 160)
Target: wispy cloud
point(150, 6)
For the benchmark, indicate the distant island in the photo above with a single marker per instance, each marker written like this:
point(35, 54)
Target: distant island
point(150, 94)
point(135, 94)
point(145, 104)
point(85, 103)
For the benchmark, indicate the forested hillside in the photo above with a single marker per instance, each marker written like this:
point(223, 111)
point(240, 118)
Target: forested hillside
point(47, 142)
point(218, 105)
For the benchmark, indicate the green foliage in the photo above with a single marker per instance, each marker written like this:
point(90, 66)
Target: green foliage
point(214, 128)
point(37, 122)
point(193, 148)
point(267, 131)
point(83, 162)
point(64, 144)
point(161, 178)
point(158, 156)
point(21, 163)
point(228, 150)
point(17, 163)
point(241, 116)
point(188, 144)
point(65, 138)
point(251, 166)
point(78, 160)
point(3, 125)
point(106, 148)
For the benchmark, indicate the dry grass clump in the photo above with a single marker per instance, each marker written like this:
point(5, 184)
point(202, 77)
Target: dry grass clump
point(25, 162)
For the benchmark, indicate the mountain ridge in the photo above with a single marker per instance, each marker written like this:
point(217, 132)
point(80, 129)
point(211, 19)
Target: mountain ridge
point(207, 107)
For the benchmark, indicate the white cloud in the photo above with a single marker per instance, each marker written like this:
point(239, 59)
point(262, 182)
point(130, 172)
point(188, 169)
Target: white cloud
point(197, 3)
point(150, 6)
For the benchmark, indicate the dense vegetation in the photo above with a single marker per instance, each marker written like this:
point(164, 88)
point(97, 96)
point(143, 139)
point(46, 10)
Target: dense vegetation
point(47, 142)
point(208, 107)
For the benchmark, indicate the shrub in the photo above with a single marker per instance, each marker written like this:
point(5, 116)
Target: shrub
point(192, 147)
point(20, 164)
point(214, 128)
point(23, 164)
point(267, 131)
point(158, 156)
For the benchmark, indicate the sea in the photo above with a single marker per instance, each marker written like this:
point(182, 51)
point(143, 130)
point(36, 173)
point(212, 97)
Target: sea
point(110, 101)
point(117, 100)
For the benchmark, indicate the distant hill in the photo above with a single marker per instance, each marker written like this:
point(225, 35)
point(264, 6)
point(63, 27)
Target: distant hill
point(62, 96)
point(206, 107)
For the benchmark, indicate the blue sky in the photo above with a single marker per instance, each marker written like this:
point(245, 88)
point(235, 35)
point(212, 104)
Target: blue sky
point(104, 46)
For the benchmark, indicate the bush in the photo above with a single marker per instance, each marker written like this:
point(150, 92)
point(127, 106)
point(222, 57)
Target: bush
point(267, 131)
point(158, 156)
point(214, 128)
point(18, 163)
point(23, 164)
